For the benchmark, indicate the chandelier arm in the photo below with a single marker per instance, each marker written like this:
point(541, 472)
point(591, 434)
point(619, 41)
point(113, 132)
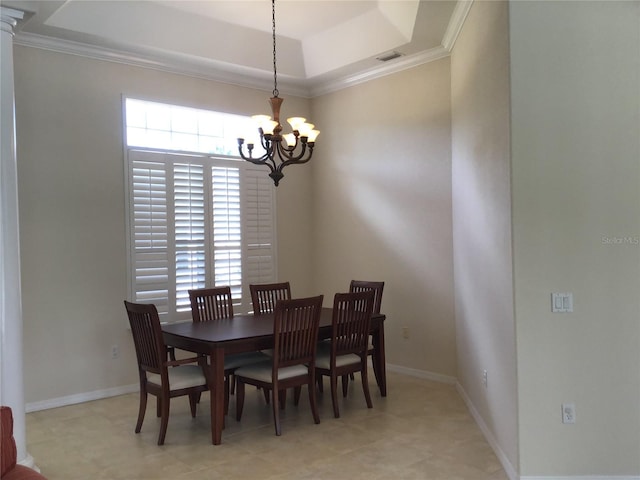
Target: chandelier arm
point(263, 160)
point(290, 160)
point(289, 154)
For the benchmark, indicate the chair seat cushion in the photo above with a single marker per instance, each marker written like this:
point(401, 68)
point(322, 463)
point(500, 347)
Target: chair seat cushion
point(323, 359)
point(184, 376)
point(262, 371)
point(236, 360)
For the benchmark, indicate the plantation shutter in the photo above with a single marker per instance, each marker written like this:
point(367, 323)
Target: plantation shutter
point(259, 226)
point(189, 205)
point(149, 233)
point(227, 230)
point(197, 222)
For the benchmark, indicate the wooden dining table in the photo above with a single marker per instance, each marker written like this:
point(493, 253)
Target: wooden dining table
point(250, 333)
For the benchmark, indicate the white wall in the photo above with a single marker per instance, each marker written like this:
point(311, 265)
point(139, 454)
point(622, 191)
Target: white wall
point(575, 83)
point(72, 219)
point(382, 207)
point(485, 325)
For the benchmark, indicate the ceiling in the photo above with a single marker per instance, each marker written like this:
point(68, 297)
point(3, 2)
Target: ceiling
point(322, 45)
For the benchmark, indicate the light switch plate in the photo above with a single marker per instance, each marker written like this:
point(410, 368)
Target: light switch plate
point(562, 302)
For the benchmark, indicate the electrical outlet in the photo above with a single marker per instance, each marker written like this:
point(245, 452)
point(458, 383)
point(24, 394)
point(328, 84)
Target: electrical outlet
point(115, 351)
point(568, 413)
point(485, 378)
point(405, 332)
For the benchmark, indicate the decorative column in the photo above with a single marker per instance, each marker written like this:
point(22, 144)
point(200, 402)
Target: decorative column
point(11, 379)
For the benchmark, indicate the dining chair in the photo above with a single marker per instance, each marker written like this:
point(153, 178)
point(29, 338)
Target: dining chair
point(295, 329)
point(265, 295)
point(347, 351)
point(263, 298)
point(185, 377)
point(377, 288)
point(210, 304)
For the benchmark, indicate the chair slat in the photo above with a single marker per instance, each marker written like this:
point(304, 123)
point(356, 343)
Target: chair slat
point(265, 296)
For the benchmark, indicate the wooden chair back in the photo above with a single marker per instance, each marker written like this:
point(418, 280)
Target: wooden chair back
point(211, 304)
point(295, 327)
point(147, 337)
point(363, 286)
point(351, 323)
point(265, 295)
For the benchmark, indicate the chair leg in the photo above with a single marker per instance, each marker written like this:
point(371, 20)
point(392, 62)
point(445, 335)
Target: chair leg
point(267, 397)
point(276, 411)
point(365, 384)
point(193, 403)
point(164, 421)
point(334, 395)
point(283, 398)
point(142, 409)
point(158, 407)
point(296, 395)
point(375, 369)
point(345, 385)
point(226, 395)
point(232, 384)
point(239, 399)
point(313, 401)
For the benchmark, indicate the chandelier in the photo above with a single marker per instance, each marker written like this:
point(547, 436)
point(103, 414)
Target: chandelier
point(293, 148)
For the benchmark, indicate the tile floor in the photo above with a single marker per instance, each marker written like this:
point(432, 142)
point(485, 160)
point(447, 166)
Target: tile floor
point(421, 430)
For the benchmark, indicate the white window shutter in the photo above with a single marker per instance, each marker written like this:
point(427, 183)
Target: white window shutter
point(259, 198)
point(227, 229)
point(189, 205)
point(149, 231)
point(197, 222)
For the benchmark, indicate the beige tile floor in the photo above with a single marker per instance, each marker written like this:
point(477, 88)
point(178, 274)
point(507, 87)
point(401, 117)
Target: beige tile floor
point(421, 430)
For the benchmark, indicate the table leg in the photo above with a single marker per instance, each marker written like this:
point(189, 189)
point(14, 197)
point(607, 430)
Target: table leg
point(216, 388)
point(379, 359)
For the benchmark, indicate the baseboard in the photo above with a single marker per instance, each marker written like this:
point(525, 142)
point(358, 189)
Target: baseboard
point(583, 477)
point(414, 372)
point(80, 398)
point(511, 472)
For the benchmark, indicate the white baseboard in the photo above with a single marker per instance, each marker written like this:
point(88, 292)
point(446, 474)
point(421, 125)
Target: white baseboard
point(509, 469)
point(80, 398)
point(584, 477)
point(413, 372)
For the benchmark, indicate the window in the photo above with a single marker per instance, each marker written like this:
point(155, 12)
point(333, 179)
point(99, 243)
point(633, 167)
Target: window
point(194, 220)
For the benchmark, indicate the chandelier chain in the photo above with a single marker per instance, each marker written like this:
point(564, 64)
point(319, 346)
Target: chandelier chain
point(275, 74)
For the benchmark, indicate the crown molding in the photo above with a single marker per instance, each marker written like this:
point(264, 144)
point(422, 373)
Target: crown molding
point(181, 65)
point(244, 76)
point(456, 22)
point(458, 17)
point(395, 66)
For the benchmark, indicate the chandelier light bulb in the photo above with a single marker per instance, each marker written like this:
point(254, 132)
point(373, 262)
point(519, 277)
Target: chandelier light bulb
point(296, 122)
point(313, 134)
point(290, 138)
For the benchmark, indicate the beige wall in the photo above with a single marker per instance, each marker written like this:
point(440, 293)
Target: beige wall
point(575, 81)
point(72, 218)
point(485, 325)
point(382, 207)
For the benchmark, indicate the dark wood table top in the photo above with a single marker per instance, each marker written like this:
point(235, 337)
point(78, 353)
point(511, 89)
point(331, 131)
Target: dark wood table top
point(241, 328)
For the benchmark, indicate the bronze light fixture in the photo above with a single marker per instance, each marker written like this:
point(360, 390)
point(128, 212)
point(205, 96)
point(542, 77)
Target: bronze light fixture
point(280, 150)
